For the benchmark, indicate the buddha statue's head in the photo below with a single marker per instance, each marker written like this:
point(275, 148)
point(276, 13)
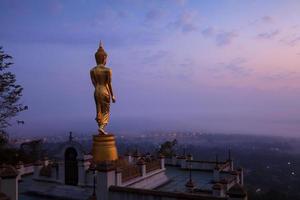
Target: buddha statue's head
point(101, 55)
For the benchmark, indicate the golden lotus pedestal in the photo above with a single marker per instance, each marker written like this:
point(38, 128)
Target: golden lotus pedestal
point(104, 148)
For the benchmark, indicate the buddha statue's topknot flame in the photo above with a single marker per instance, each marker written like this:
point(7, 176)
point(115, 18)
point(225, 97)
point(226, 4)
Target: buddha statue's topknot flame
point(101, 55)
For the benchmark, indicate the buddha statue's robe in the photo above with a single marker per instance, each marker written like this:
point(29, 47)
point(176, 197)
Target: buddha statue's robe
point(101, 78)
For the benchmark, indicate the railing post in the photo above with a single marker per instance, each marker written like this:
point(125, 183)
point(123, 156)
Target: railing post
point(174, 159)
point(162, 161)
point(37, 168)
point(216, 173)
point(81, 172)
point(118, 177)
point(218, 190)
point(142, 165)
point(61, 171)
point(183, 162)
point(20, 168)
point(241, 171)
point(128, 157)
point(45, 161)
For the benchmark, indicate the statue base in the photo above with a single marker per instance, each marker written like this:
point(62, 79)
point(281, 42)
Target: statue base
point(104, 148)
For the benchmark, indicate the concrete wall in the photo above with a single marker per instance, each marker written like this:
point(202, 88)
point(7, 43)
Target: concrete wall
point(150, 181)
point(123, 193)
point(89, 178)
point(129, 196)
point(196, 164)
point(25, 170)
point(9, 186)
point(202, 165)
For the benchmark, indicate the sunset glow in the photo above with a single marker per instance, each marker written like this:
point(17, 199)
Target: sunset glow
point(224, 66)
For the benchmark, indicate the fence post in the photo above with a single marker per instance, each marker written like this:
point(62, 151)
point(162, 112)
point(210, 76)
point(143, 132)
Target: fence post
point(142, 166)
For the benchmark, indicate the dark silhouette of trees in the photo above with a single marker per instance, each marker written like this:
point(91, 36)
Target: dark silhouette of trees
point(10, 94)
point(168, 148)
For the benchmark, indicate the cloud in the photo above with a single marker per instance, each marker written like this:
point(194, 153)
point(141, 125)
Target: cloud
point(155, 58)
point(186, 22)
point(235, 67)
point(294, 41)
point(268, 35)
point(225, 38)
point(222, 38)
point(186, 70)
point(208, 32)
point(291, 40)
point(153, 15)
point(280, 76)
point(267, 19)
point(263, 20)
point(163, 64)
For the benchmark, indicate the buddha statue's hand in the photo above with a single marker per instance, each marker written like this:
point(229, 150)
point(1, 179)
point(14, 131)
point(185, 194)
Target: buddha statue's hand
point(113, 98)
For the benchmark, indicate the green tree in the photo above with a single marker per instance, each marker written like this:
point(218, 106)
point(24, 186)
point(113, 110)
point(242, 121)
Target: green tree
point(168, 148)
point(10, 94)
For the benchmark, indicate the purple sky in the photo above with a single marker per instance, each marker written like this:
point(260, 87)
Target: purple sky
point(228, 66)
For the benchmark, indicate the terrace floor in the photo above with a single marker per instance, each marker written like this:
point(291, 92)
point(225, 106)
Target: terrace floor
point(179, 177)
point(46, 191)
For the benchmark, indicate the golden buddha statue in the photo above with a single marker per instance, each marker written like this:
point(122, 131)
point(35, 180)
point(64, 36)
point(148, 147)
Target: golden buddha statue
point(104, 144)
point(101, 78)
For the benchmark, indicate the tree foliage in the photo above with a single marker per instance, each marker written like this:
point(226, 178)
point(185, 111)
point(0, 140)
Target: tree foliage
point(168, 148)
point(10, 94)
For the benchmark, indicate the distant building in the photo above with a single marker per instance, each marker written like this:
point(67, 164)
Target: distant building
point(73, 175)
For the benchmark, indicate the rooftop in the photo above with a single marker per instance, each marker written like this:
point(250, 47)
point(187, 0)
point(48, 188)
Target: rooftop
point(179, 177)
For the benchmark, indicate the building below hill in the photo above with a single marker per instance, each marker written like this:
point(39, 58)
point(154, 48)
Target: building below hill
point(73, 175)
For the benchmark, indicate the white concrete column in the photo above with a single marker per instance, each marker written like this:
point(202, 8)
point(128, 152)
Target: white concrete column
point(142, 165)
point(37, 168)
point(81, 173)
point(190, 157)
point(10, 187)
point(105, 178)
point(118, 177)
point(45, 161)
point(20, 168)
point(61, 171)
point(135, 158)
point(230, 160)
point(216, 174)
point(9, 182)
point(174, 159)
point(218, 190)
point(128, 158)
point(231, 165)
point(183, 163)
point(241, 170)
point(162, 161)
point(86, 161)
